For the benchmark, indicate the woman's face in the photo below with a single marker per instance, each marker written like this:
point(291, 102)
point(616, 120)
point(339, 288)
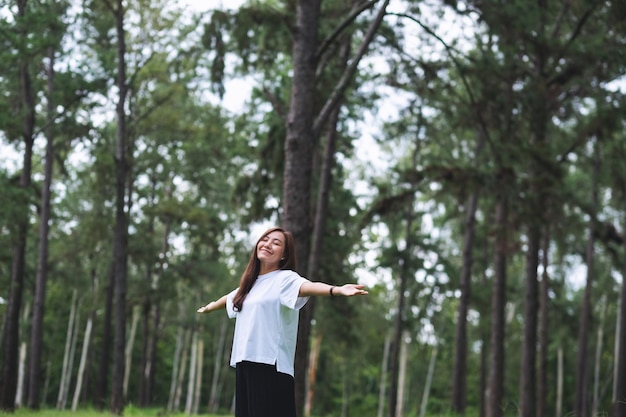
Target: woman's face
point(271, 248)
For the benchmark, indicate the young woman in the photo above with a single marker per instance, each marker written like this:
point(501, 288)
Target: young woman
point(266, 307)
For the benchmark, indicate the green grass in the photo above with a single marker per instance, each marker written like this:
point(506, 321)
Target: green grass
point(129, 411)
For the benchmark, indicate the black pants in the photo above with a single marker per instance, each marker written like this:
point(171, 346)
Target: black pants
point(261, 391)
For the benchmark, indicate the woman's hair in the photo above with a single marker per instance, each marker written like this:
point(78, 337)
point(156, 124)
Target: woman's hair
point(250, 274)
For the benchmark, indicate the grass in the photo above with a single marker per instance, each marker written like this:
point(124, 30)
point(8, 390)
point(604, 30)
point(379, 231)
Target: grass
point(129, 411)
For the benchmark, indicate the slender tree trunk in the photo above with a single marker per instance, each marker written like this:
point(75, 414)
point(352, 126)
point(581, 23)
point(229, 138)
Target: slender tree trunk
point(145, 344)
point(21, 368)
point(459, 373)
point(544, 340)
point(82, 364)
point(36, 333)
point(313, 362)
point(404, 352)
point(70, 364)
point(429, 380)
point(498, 303)
point(217, 366)
point(383, 376)
point(175, 368)
point(21, 371)
point(121, 221)
point(153, 355)
point(619, 400)
point(528, 404)
point(182, 370)
point(10, 336)
point(459, 377)
point(559, 383)
point(67, 351)
point(595, 405)
point(129, 348)
point(581, 396)
point(198, 383)
point(105, 355)
point(192, 372)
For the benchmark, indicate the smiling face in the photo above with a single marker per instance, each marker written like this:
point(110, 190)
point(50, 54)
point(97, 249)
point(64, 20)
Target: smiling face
point(270, 250)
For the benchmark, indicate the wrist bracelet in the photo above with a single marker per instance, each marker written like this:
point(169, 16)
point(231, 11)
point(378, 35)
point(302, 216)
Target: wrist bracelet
point(331, 291)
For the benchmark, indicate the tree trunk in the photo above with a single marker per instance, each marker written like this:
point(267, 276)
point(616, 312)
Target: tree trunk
point(66, 353)
point(297, 172)
point(595, 405)
point(21, 369)
point(404, 352)
point(498, 303)
point(559, 383)
point(175, 369)
point(619, 401)
point(10, 334)
point(527, 394)
point(301, 133)
point(36, 333)
point(120, 255)
point(312, 376)
point(102, 381)
point(459, 375)
point(217, 366)
point(128, 355)
point(82, 364)
point(192, 373)
point(581, 396)
point(383, 376)
point(198, 383)
point(182, 370)
point(149, 372)
point(429, 380)
point(544, 339)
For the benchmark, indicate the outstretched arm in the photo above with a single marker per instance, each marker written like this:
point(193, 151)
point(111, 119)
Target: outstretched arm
point(213, 305)
point(319, 288)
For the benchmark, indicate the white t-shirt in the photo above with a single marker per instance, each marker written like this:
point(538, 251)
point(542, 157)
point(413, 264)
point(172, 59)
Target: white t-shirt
point(266, 328)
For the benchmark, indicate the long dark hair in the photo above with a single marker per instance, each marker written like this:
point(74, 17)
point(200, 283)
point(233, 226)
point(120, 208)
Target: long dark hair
point(250, 274)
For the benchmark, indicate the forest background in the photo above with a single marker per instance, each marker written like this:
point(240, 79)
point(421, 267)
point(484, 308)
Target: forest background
point(464, 159)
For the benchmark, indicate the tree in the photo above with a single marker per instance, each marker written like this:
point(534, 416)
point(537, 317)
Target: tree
point(26, 114)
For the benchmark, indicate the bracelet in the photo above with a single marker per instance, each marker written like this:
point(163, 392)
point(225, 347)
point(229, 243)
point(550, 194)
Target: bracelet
point(331, 291)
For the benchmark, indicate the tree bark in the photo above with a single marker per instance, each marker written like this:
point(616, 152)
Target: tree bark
point(527, 393)
point(10, 334)
point(82, 364)
point(128, 354)
point(404, 352)
point(36, 333)
point(595, 404)
point(619, 400)
point(383, 377)
point(559, 384)
point(120, 255)
point(297, 172)
point(102, 381)
point(66, 353)
point(429, 380)
point(544, 339)
point(192, 372)
point(581, 396)
point(198, 383)
point(217, 366)
point(498, 303)
point(459, 375)
point(175, 369)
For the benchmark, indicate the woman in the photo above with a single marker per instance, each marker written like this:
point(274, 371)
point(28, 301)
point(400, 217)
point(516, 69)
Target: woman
point(266, 306)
